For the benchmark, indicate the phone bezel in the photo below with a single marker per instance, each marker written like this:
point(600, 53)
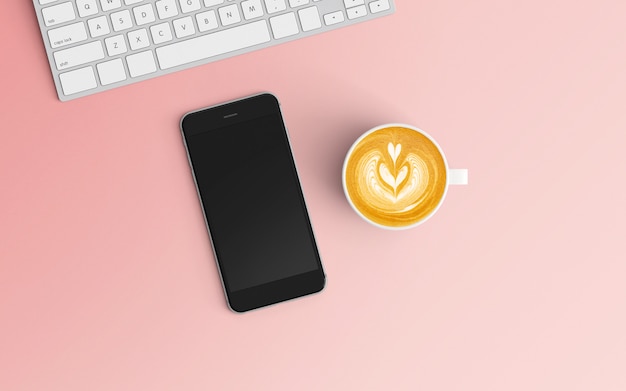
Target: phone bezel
point(228, 114)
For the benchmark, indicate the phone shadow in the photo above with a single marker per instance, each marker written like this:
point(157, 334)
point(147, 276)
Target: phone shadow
point(334, 140)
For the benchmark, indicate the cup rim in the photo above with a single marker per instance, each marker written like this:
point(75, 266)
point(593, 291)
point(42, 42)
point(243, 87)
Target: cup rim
point(392, 125)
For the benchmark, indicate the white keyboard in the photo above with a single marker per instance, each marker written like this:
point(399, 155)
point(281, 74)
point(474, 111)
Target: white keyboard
point(96, 45)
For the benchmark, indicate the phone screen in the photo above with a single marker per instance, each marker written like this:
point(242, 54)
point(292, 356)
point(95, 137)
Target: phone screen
point(252, 200)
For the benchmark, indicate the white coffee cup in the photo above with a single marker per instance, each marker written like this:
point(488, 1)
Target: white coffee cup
point(395, 173)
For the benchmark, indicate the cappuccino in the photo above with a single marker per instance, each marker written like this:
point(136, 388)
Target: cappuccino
point(395, 176)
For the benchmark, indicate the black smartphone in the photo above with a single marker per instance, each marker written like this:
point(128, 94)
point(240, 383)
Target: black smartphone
point(253, 203)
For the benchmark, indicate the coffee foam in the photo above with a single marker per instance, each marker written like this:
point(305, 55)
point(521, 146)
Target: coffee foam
point(395, 176)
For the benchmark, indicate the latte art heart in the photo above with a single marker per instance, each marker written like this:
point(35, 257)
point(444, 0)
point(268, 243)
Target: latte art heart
point(395, 176)
point(391, 184)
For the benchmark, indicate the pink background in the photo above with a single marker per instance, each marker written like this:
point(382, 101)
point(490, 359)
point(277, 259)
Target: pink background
point(107, 279)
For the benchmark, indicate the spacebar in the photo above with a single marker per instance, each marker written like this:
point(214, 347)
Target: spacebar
point(210, 45)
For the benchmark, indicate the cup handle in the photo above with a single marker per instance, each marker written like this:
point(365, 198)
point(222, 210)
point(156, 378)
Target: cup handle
point(458, 176)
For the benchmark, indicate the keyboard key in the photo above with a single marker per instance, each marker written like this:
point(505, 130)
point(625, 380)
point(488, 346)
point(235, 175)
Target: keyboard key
point(297, 3)
point(78, 55)
point(141, 63)
point(98, 26)
point(274, 6)
point(86, 7)
point(144, 14)
point(138, 39)
point(352, 3)
point(115, 45)
point(214, 44)
point(333, 18)
point(189, 5)
point(207, 21)
point(379, 6)
point(58, 14)
point(184, 27)
point(210, 3)
point(78, 81)
point(357, 12)
point(121, 20)
point(166, 9)
point(111, 71)
point(309, 19)
point(229, 15)
point(131, 2)
point(108, 5)
point(252, 9)
point(284, 25)
point(44, 2)
point(161, 33)
point(67, 35)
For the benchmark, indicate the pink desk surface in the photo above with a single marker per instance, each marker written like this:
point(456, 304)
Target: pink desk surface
point(107, 279)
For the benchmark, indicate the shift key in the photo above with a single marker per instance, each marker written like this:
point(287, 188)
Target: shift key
point(78, 55)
